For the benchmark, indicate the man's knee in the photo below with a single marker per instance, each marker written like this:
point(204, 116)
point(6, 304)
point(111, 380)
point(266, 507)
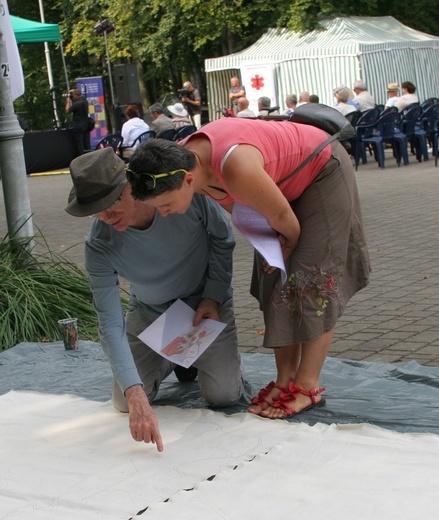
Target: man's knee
point(224, 395)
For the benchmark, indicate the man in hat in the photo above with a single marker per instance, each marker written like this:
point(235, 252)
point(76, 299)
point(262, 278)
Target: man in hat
point(392, 92)
point(179, 116)
point(187, 257)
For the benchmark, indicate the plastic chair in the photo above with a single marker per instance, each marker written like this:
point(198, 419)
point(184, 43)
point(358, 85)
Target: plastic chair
point(167, 134)
point(143, 137)
point(430, 101)
point(384, 130)
point(349, 144)
point(184, 131)
point(353, 117)
point(436, 143)
point(113, 140)
point(428, 120)
point(126, 154)
point(415, 135)
point(364, 128)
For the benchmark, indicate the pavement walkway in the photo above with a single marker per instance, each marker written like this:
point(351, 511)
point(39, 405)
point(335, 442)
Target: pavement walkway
point(395, 318)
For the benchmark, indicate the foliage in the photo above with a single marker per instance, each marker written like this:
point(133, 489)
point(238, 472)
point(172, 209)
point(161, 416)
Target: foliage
point(169, 40)
point(37, 289)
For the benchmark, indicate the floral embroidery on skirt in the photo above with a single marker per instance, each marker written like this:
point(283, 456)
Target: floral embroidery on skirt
point(317, 287)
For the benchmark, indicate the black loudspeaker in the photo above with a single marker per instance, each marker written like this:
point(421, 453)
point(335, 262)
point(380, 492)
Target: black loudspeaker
point(127, 84)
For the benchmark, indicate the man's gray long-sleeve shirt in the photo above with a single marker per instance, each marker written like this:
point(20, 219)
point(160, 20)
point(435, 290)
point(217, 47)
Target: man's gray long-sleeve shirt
point(181, 256)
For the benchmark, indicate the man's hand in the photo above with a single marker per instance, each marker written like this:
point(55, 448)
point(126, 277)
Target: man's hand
point(143, 422)
point(207, 309)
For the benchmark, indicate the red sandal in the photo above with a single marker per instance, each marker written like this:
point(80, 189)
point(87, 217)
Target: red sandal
point(260, 398)
point(290, 395)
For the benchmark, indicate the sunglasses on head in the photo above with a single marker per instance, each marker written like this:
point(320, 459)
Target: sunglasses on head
point(151, 179)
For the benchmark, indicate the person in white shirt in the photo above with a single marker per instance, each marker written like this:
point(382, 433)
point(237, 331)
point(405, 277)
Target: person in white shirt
point(342, 96)
point(363, 96)
point(244, 111)
point(408, 96)
point(303, 98)
point(392, 92)
point(131, 129)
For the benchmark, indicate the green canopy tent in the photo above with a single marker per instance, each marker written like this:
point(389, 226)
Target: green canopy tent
point(28, 31)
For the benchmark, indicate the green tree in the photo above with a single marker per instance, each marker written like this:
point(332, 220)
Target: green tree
point(169, 40)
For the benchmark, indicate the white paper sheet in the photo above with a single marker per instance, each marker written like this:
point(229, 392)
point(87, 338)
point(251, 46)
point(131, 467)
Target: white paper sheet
point(256, 230)
point(64, 457)
point(173, 336)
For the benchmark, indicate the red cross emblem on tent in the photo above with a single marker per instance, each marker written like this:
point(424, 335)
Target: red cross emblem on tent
point(257, 82)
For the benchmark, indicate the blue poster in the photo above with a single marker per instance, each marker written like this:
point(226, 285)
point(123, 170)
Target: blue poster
point(93, 90)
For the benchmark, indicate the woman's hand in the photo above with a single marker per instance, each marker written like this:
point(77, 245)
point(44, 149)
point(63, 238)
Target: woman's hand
point(286, 246)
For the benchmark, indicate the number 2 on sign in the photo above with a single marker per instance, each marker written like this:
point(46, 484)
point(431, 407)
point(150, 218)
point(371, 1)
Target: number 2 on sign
point(5, 70)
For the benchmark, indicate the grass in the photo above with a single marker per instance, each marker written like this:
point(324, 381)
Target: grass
point(38, 287)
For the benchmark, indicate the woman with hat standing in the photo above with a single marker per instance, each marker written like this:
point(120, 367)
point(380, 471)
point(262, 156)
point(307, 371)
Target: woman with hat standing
point(179, 116)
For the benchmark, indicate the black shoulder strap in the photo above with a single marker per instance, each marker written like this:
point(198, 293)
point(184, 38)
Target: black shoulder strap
point(311, 157)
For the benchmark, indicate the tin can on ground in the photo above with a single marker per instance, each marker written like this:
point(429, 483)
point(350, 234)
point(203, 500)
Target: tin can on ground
point(69, 333)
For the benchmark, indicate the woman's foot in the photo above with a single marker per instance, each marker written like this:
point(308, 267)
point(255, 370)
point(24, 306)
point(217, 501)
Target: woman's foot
point(265, 398)
point(293, 401)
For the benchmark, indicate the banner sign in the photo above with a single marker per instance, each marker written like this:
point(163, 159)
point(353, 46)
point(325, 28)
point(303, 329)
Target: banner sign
point(93, 90)
point(12, 68)
point(258, 80)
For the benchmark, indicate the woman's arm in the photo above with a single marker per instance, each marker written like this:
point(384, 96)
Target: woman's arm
point(246, 178)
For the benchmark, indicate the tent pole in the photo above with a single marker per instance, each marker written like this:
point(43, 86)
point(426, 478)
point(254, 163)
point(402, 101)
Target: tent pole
point(64, 65)
point(49, 71)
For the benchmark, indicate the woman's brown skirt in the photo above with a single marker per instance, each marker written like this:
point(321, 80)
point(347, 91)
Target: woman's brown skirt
point(329, 265)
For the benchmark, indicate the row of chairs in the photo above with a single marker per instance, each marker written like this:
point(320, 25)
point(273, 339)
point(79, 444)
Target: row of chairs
point(115, 141)
point(417, 128)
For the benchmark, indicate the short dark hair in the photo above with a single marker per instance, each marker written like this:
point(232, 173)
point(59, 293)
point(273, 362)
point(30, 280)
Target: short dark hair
point(158, 156)
point(314, 98)
point(264, 101)
point(411, 89)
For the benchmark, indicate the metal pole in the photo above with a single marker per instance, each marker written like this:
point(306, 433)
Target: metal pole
point(109, 70)
point(49, 71)
point(12, 164)
point(64, 65)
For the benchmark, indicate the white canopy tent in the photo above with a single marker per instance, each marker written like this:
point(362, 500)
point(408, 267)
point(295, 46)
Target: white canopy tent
point(378, 50)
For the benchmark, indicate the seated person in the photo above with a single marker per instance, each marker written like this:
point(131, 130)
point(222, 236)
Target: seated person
point(243, 110)
point(342, 96)
point(161, 121)
point(350, 101)
point(408, 96)
point(132, 128)
point(179, 116)
point(291, 103)
point(364, 98)
point(392, 92)
point(303, 98)
point(264, 107)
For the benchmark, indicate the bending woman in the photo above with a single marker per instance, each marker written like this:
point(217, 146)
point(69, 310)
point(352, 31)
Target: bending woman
point(316, 214)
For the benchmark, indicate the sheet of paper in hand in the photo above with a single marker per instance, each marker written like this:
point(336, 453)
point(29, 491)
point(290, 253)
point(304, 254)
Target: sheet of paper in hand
point(256, 230)
point(173, 336)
